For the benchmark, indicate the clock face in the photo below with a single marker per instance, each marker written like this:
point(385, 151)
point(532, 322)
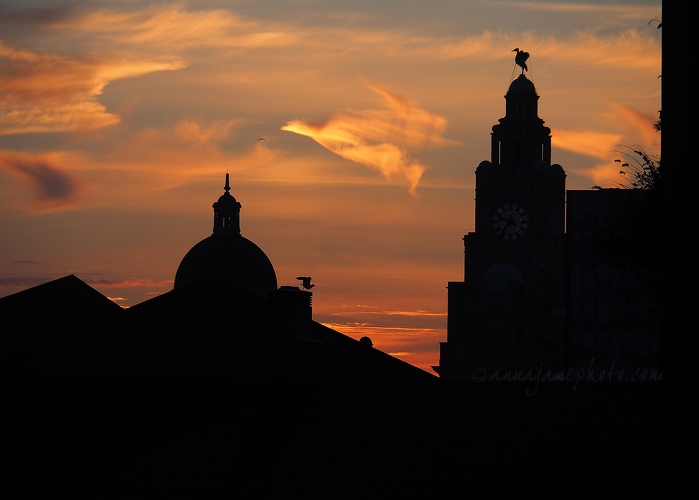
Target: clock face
point(510, 221)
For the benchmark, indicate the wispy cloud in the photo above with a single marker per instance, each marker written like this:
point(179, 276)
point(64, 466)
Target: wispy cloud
point(380, 138)
point(129, 283)
point(51, 183)
point(192, 131)
point(604, 147)
point(175, 27)
point(44, 92)
point(641, 123)
point(586, 142)
point(417, 313)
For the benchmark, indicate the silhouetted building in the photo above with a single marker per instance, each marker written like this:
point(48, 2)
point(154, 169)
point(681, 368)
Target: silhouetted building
point(537, 296)
point(226, 256)
point(509, 310)
point(613, 318)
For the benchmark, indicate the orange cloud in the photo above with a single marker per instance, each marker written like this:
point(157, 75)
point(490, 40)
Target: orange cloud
point(604, 146)
point(642, 123)
point(129, 283)
point(586, 142)
point(606, 174)
point(43, 92)
point(195, 132)
point(380, 139)
point(176, 28)
point(593, 144)
point(418, 313)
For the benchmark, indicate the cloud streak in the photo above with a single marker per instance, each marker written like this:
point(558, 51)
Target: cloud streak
point(604, 147)
point(380, 138)
point(44, 92)
point(50, 182)
point(642, 123)
point(174, 27)
point(586, 142)
point(129, 283)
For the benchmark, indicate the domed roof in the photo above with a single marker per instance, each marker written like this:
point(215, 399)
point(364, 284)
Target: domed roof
point(522, 85)
point(226, 256)
point(503, 278)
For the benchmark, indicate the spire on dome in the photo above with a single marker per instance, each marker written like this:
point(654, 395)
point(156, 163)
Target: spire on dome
point(227, 212)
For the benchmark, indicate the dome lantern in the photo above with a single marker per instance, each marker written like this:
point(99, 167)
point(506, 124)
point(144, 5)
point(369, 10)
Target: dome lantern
point(227, 212)
point(226, 256)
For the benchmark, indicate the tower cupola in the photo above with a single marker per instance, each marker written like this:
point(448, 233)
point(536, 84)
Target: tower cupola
point(227, 212)
point(520, 140)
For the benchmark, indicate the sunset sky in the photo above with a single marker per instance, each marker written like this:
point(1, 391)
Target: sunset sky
point(119, 121)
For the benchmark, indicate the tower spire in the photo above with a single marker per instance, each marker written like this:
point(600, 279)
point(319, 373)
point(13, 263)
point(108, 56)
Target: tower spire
point(227, 212)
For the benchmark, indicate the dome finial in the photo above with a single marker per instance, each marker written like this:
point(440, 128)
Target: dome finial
point(227, 187)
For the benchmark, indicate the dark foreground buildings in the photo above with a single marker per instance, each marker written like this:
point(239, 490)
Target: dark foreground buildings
point(225, 321)
point(226, 387)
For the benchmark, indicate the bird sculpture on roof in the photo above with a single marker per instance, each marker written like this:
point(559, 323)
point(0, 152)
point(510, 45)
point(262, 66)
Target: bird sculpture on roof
point(305, 282)
point(521, 59)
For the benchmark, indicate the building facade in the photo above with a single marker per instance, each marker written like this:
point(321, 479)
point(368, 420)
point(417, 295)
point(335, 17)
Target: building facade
point(613, 316)
point(508, 312)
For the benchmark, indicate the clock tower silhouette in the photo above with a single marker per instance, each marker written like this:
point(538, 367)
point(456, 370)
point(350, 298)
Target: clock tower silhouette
point(509, 312)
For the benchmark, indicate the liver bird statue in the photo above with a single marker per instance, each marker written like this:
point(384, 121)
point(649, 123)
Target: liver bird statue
point(521, 59)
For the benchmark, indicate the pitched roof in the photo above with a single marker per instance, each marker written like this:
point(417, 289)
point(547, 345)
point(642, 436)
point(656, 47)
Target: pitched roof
point(45, 312)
